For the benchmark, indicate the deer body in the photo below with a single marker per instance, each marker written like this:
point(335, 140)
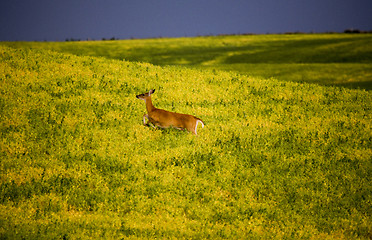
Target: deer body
point(166, 119)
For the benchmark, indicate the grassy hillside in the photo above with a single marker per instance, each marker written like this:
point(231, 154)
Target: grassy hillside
point(326, 59)
point(275, 159)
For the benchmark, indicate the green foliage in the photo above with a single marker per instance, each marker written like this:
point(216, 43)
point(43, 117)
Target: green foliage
point(275, 159)
point(326, 59)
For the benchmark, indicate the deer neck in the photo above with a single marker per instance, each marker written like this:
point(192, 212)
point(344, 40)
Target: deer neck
point(149, 105)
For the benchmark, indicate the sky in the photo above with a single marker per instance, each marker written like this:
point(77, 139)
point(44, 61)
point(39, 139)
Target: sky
point(58, 20)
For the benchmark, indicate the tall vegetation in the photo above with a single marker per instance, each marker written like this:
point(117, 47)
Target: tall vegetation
point(327, 59)
point(276, 159)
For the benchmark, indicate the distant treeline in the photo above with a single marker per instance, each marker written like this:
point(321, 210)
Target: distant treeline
point(351, 30)
point(78, 39)
point(356, 31)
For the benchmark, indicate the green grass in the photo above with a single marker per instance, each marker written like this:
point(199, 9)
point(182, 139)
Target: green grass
point(276, 159)
point(327, 59)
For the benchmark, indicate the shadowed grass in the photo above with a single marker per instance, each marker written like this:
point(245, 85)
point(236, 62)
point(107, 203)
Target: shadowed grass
point(325, 59)
point(275, 159)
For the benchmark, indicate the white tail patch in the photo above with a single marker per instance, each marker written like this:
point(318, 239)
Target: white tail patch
point(196, 125)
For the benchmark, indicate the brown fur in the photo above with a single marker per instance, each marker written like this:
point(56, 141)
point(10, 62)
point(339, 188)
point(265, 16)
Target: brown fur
point(166, 119)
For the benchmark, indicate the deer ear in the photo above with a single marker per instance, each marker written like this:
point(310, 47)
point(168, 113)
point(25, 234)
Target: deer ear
point(151, 91)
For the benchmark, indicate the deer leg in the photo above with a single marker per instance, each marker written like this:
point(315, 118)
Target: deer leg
point(149, 121)
point(144, 119)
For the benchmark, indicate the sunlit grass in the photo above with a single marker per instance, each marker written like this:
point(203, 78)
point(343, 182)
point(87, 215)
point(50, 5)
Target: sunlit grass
point(350, 75)
point(276, 159)
point(325, 59)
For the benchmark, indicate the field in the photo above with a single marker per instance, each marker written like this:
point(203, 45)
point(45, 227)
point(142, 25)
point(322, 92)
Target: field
point(278, 158)
point(327, 59)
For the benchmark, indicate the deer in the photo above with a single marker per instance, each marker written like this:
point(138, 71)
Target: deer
point(165, 119)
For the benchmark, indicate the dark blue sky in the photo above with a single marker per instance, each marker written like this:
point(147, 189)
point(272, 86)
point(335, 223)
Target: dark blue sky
point(40, 20)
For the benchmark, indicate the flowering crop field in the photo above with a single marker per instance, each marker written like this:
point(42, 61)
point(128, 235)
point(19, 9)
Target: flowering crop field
point(326, 59)
point(276, 159)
